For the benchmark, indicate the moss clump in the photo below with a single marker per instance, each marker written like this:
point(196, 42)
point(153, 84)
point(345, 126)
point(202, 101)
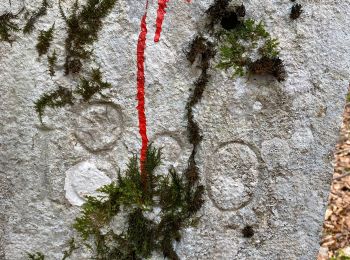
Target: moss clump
point(58, 98)
point(83, 25)
point(90, 86)
point(72, 247)
point(52, 61)
point(296, 11)
point(229, 18)
point(238, 44)
point(270, 48)
point(44, 40)
point(240, 41)
point(268, 66)
point(216, 11)
point(87, 88)
point(203, 50)
point(8, 26)
point(41, 11)
point(248, 231)
point(36, 256)
point(177, 197)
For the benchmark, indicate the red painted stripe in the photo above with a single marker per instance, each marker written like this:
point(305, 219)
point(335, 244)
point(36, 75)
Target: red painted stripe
point(141, 46)
point(160, 18)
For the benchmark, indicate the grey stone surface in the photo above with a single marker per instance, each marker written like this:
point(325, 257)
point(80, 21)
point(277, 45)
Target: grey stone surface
point(267, 149)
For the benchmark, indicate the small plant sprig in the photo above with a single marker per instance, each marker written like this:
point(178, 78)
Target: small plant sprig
point(7, 26)
point(52, 60)
point(83, 25)
point(58, 98)
point(36, 256)
point(177, 197)
point(44, 40)
point(30, 25)
point(87, 88)
point(270, 48)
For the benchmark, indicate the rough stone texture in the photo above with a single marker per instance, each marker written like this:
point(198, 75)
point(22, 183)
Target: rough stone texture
point(267, 149)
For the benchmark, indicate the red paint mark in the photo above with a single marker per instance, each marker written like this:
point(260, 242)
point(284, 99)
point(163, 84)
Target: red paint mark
point(160, 18)
point(141, 46)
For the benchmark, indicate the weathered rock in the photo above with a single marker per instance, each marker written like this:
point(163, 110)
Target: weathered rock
point(267, 146)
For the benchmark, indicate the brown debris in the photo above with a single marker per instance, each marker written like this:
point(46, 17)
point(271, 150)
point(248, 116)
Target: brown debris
point(336, 227)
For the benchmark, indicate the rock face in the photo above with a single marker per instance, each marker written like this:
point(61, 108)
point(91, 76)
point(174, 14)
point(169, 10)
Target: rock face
point(266, 152)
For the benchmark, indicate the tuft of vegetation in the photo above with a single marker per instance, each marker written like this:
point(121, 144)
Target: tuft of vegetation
point(270, 48)
point(238, 44)
point(216, 11)
point(239, 41)
point(36, 256)
point(268, 66)
point(52, 61)
point(177, 197)
point(41, 11)
point(83, 25)
point(240, 10)
point(72, 247)
point(229, 18)
point(44, 40)
point(296, 11)
point(340, 255)
point(89, 87)
point(204, 50)
point(58, 98)
point(348, 97)
point(8, 26)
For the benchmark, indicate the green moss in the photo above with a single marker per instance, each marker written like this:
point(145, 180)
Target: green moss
point(72, 247)
point(44, 40)
point(8, 26)
point(86, 89)
point(177, 198)
point(36, 256)
point(83, 25)
point(34, 16)
point(92, 85)
point(237, 46)
point(52, 60)
point(203, 50)
point(58, 98)
point(270, 48)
